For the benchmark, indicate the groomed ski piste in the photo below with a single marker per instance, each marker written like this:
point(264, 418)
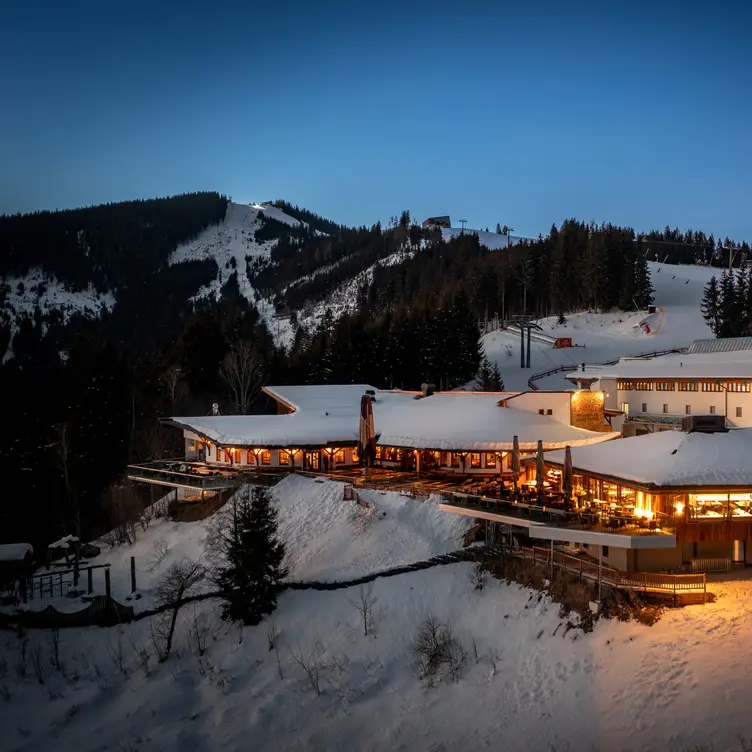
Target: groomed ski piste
point(536, 683)
point(607, 336)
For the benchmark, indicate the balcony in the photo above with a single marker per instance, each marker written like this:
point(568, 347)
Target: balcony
point(180, 474)
point(658, 418)
point(548, 523)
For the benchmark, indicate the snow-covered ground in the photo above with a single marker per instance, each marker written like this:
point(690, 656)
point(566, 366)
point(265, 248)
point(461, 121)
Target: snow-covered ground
point(606, 336)
point(621, 687)
point(327, 538)
point(38, 289)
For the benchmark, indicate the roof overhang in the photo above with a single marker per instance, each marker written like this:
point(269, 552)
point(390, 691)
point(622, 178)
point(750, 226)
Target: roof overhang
point(541, 531)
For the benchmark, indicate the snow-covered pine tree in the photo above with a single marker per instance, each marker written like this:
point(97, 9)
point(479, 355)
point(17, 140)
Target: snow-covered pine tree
point(728, 307)
point(248, 557)
point(710, 305)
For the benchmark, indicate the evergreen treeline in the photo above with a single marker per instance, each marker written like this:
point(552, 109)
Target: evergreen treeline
point(727, 304)
point(693, 247)
point(112, 246)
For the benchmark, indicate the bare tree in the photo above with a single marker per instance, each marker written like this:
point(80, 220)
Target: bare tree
point(123, 508)
point(311, 665)
point(242, 371)
point(177, 582)
point(64, 460)
point(171, 380)
point(364, 604)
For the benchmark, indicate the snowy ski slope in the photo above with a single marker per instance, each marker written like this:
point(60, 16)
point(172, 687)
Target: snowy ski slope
point(605, 336)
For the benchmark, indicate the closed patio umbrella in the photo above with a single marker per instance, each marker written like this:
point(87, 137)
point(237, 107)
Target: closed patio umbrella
point(567, 479)
point(540, 469)
point(366, 434)
point(515, 460)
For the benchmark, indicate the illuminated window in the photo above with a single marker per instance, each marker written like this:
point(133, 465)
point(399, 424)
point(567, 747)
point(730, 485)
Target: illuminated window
point(738, 386)
point(490, 459)
point(475, 459)
point(664, 386)
point(687, 386)
point(711, 386)
point(455, 459)
point(339, 455)
point(355, 456)
point(624, 385)
point(266, 457)
point(643, 386)
point(378, 453)
point(284, 458)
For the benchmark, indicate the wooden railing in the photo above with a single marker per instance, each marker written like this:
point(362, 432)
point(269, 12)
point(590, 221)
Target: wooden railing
point(647, 582)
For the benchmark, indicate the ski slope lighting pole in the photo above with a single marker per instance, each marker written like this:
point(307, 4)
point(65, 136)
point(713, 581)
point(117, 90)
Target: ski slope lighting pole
point(463, 222)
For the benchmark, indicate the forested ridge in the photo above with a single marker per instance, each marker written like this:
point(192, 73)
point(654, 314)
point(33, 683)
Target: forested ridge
point(84, 399)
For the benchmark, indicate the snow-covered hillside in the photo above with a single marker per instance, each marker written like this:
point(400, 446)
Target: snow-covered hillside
point(229, 243)
point(530, 679)
point(605, 336)
point(39, 290)
point(327, 538)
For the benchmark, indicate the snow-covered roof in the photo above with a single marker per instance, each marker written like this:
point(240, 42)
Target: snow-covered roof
point(449, 421)
point(731, 365)
point(15, 551)
point(670, 459)
point(724, 345)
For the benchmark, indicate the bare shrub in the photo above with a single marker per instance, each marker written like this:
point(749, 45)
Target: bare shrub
point(159, 551)
point(272, 636)
point(494, 657)
point(55, 658)
point(159, 627)
point(117, 654)
point(23, 651)
point(142, 655)
point(311, 664)
point(479, 576)
point(36, 654)
point(364, 604)
point(175, 585)
point(199, 632)
point(123, 507)
point(437, 652)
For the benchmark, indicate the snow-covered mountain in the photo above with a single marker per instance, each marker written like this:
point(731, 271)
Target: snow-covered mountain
point(40, 291)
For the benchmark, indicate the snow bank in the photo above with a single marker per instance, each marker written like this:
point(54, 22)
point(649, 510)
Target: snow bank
point(331, 539)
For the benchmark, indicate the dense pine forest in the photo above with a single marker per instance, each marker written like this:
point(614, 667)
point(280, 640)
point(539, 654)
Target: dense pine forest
point(84, 398)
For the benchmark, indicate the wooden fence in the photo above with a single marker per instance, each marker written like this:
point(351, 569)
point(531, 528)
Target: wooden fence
point(573, 367)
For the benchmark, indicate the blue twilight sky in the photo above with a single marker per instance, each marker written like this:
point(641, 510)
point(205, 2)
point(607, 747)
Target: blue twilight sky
point(523, 112)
